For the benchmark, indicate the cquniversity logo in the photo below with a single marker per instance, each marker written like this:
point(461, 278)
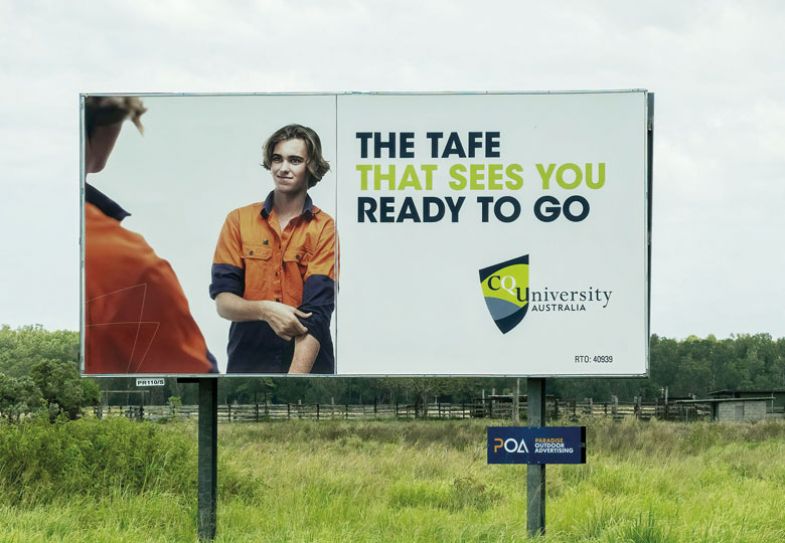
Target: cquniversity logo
point(506, 290)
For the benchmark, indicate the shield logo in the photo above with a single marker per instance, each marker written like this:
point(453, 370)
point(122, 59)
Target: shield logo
point(505, 287)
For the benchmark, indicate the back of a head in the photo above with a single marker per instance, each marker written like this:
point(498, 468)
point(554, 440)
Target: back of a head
point(108, 110)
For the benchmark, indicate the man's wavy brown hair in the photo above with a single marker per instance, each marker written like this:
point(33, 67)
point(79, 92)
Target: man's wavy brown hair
point(315, 163)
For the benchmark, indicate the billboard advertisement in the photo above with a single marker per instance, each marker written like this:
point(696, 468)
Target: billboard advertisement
point(365, 234)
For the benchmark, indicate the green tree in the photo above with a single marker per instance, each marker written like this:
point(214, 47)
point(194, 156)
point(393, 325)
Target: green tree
point(22, 348)
point(62, 387)
point(18, 396)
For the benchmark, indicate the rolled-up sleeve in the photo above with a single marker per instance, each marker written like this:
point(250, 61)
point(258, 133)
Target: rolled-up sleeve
point(228, 271)
point(319, 286)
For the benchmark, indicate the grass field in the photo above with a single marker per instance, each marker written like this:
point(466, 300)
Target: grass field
point(301, 481)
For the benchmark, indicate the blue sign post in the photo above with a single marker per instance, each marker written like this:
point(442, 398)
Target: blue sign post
point(541, 445)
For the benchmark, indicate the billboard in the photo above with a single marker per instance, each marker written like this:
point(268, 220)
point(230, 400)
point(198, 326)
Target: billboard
point(366, 234)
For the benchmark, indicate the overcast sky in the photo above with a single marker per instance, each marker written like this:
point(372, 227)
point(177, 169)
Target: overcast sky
point(716, 69)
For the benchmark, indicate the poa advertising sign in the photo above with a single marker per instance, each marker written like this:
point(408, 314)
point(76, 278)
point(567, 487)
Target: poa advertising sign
point(536, 445)
point(368, 234)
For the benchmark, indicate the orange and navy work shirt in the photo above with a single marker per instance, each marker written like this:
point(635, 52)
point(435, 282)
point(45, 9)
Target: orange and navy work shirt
point(137, 318)
point(254, 259)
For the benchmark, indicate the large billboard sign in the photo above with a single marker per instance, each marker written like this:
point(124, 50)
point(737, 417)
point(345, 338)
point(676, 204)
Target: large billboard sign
point(366, 234)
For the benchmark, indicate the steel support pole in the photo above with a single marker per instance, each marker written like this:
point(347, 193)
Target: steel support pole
point(650, 190)
point(208, 457)
point(535, 473)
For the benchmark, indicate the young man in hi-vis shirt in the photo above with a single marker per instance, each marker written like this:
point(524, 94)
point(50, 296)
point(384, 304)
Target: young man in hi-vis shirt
point(275, 266)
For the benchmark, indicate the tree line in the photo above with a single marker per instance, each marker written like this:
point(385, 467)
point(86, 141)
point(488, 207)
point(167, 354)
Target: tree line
point(39, 370)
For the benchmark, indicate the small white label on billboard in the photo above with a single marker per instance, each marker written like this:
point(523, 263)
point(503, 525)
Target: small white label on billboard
point(154, 382)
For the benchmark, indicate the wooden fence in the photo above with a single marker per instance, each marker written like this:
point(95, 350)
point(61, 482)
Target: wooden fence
point(489, 409)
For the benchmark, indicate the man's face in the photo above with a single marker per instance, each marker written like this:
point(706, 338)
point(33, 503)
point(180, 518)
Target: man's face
point(288, 166)
point(99, 146)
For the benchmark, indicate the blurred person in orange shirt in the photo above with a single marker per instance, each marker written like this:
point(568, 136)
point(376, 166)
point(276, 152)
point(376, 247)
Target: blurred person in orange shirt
point(137, 318)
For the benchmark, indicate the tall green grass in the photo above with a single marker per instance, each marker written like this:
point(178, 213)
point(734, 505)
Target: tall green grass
point(337, 481)
point(42, 462)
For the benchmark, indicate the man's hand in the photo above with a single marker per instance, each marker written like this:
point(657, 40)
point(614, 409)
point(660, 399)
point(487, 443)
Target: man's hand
point(283, 319)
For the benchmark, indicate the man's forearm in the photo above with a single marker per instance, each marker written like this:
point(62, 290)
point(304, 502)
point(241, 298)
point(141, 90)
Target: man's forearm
point(306, 348)
point(236, 309)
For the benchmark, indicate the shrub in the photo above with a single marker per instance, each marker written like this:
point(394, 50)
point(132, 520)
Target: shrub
point(43, 462)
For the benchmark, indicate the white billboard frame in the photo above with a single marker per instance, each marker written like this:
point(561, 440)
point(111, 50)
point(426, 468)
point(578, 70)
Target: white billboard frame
point(648, 138)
